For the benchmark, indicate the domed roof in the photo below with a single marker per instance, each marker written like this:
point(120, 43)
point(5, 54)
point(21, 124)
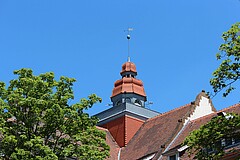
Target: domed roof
point(128, 83)
point(128, 67)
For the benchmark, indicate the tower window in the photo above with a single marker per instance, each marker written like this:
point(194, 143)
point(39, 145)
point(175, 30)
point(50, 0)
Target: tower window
point(118, 103)
point(128, 100)
point(138, 102)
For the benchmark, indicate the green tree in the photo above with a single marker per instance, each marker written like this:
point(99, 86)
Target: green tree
point(206, 142)
point(36, 121)
point(209, 137)
point(228, 71)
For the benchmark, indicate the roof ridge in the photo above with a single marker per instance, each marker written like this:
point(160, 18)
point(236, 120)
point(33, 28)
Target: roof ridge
point(101, 128)
point(168, 112)
point(235, 105)
point(224, 109)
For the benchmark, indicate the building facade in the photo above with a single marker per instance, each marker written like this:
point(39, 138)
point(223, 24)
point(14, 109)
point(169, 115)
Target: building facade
point(137, 133)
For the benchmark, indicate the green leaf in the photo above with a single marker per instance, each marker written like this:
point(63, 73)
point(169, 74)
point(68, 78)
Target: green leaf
point(41, 124)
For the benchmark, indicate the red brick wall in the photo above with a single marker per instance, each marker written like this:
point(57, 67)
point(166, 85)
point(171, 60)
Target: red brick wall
point(123, 129)
point(117, 129)
point(131, 127)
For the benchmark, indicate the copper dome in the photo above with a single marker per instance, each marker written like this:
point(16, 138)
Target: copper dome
point(128, 67)
point(128, 84)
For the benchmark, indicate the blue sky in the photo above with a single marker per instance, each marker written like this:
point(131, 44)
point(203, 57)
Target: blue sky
point(173, 45)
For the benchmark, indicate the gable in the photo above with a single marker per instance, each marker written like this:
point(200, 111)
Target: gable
point(159, 134)
point(195, 124)
point(203, 107)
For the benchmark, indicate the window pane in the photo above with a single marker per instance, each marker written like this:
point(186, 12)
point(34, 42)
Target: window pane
point(237, 140)
point(228, 141)
point(173, 157)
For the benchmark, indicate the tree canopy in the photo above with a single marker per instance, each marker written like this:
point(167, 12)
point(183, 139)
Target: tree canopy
point(37, 121)
point(207, 141)
point(228, 71)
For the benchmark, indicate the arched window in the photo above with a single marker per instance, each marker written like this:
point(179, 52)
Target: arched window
point(128, 100)
point(118, 103)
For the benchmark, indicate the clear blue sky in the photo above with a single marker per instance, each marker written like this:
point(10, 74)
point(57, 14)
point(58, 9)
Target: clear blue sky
point(173, 44)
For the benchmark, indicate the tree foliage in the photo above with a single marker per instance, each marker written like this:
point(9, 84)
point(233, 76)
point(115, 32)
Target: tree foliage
point(228, 71)
point(36, 121)
point(206, 142)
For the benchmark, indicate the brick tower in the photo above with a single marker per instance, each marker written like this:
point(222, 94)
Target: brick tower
point(128, 112)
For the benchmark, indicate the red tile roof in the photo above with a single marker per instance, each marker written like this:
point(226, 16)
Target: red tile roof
point(114, 148)
point(195, 124)
point(232, 154)
point(129, 67)
point(156, 132)
point(128, 85)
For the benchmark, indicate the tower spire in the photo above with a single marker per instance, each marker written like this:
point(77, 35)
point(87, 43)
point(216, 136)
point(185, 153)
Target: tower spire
point(128, 38)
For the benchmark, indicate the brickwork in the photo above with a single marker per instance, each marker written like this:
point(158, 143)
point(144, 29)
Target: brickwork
point(132, 126)
point(123, 129)
point(117, 130)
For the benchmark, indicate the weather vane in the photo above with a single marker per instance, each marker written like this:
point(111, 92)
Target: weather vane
point(128, 38)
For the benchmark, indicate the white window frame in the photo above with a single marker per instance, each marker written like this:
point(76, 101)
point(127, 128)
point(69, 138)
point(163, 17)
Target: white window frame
point(177, 156)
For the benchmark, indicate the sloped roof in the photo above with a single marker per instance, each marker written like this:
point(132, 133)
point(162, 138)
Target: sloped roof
point(156, 132)
point(232, 153)
point(114, 148)
point(195, 124)
point(191, 125)
point(128, 83)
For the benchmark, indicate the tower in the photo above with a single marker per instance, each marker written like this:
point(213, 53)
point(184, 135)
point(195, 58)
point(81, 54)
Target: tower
point(128, 112)
point(128, 89)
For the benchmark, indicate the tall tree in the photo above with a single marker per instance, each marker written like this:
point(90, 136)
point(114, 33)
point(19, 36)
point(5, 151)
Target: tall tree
point(228, 71)
point(37, 122)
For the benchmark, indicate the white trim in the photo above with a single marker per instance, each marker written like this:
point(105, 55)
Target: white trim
point(176, 155)
point(182, 148)
point(184, 126)
point(119, 153)
point(149, 157)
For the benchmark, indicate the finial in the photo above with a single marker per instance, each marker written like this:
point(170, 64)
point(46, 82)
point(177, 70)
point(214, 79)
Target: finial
point(128, 38)
point(129, 60)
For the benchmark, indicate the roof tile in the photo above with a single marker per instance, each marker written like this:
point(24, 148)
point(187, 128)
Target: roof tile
point(195, 124)
point(114, 148)
point(156, 132)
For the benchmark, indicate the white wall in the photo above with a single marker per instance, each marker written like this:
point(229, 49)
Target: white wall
point(204, 108)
